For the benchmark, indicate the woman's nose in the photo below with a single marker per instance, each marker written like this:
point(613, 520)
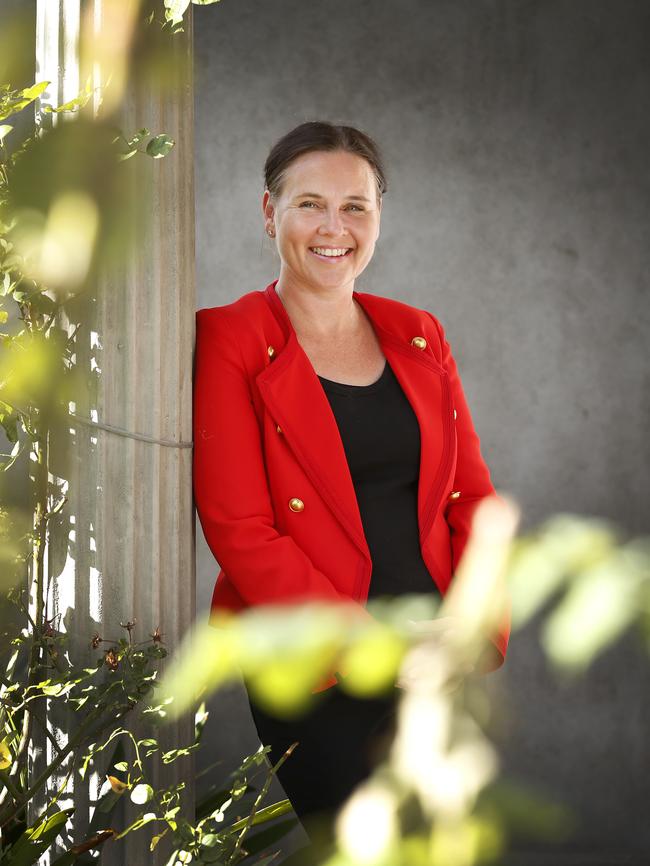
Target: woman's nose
point(332, 222)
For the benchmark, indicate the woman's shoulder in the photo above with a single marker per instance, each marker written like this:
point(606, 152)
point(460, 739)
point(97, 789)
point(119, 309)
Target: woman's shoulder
point(238, 311)
point(397, 315)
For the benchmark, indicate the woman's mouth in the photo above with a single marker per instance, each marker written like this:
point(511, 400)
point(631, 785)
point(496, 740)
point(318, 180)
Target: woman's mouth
point(330, 254)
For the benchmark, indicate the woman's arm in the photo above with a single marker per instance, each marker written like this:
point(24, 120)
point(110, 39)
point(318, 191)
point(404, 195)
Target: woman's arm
point(230, 487)
point(472, 480)
point(472, 477)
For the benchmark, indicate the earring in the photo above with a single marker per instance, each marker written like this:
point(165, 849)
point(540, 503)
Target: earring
point(270, 233)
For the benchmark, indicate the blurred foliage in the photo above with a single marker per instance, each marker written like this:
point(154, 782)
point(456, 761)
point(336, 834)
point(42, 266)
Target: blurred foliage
point(176, 9)
point(438, 800)
point(72, 205)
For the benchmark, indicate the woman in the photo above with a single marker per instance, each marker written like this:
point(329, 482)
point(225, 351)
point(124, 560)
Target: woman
point(335, 456)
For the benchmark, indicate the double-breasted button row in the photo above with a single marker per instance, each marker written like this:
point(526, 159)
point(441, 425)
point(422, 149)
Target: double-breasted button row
point(421, 343)
point(298, 505)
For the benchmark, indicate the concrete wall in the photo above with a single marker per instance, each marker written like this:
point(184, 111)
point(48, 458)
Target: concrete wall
point(516, 135)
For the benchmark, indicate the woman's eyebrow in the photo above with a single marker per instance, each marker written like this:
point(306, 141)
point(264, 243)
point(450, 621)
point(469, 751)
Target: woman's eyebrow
point(316, 195)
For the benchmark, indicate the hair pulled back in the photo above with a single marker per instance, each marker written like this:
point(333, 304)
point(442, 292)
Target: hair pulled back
point(318, 135)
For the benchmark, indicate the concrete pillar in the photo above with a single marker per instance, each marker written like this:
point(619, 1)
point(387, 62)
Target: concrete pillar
point(123, 546)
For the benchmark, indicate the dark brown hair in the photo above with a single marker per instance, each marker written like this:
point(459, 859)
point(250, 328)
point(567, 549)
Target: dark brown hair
point(315, 135)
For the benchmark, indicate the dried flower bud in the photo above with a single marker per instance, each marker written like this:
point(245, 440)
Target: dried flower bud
point(111, 658)
point(118, 786)
point(129, 625)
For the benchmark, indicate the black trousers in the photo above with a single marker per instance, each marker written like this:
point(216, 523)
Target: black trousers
point(340, 740)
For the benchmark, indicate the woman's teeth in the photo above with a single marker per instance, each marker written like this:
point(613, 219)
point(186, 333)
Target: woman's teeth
point(330, 254)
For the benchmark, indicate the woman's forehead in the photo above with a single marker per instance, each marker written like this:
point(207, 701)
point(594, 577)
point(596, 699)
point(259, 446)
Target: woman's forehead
point(329, 168)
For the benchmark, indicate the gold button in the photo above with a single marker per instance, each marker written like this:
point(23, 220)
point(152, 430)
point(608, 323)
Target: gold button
point(296, 504)
point(279, 429)
point(454, 414)
point(271, 351)
point(454, 494)
point(420, 342)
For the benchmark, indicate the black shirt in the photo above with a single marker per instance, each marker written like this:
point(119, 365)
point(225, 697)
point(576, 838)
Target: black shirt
point(381, 438)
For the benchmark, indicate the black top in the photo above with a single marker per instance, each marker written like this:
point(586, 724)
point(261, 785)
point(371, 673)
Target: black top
point(381, 438)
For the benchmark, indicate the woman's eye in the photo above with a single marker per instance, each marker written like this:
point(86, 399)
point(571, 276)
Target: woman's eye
point(305, 203)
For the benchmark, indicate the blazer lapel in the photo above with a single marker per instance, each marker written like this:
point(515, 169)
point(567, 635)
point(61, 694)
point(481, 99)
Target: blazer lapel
point(295, 398)
point(426, 386)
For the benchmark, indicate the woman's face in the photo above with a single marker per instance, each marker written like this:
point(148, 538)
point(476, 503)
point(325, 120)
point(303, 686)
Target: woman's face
point(328, 200)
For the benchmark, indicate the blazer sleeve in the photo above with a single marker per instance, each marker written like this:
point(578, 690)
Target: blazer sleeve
point(472, 480)
point(231, 492)
point(472, 476)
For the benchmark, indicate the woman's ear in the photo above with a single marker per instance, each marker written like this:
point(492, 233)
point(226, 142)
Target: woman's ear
point(267, 207)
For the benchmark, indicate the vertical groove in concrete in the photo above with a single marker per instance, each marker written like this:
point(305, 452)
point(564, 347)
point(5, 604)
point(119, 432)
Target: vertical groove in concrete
point(130, 502)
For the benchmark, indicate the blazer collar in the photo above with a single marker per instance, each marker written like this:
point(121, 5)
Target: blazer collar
point(295, 398)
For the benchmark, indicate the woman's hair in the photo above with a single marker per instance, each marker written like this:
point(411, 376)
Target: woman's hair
point(315, 135)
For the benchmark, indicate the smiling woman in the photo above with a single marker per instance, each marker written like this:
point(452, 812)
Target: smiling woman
point(335, 456)
point(324, 210)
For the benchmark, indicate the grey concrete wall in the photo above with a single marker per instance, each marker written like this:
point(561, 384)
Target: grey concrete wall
point(516, 135)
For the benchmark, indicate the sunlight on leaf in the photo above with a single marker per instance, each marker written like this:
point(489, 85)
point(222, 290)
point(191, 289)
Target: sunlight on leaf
point(367, 826)
point(141, 794)
point(465, 842)
point(57, 248)
point(371, 663)
point(5, 755)
point(596, 610)
point(160, 146)
point(205, 660)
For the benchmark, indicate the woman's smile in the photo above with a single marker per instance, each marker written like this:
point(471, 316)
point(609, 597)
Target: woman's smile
point(333, 254)
point(327, 211)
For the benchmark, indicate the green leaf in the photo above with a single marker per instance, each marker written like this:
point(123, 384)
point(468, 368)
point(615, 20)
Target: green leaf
point(35, 90)
point(5, 129)
point(29, 847)
point(598, 607)
point(140, 822)
point(16, 451)
point(175, 9)
point(160, 145)
point(20, 99)
point(256, 842)
point(6, 758)
point(266, 814)
point(10, 423)
point(78, 101)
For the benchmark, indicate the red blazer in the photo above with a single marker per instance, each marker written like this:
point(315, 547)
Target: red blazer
point(272, 485)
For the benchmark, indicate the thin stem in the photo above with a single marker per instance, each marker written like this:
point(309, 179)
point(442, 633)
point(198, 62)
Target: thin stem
point(83, 733)
point(265, 788)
